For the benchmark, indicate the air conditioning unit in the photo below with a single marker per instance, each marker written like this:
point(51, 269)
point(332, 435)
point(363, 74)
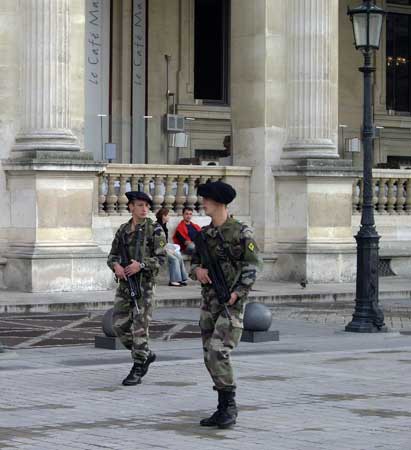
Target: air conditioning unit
point(174, 123)
point(353, 145)
point(210, 163)
point(179, 140)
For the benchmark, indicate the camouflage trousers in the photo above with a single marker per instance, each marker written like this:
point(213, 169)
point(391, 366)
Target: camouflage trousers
point(220, 337)
point(130, 326)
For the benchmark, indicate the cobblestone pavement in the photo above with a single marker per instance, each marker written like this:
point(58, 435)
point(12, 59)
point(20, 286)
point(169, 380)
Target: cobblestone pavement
point(67, 329)
point(318, 388)
point(397, 313)
point(55, 330)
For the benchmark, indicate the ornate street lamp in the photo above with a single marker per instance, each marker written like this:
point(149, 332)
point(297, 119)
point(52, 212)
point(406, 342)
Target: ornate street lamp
point(367, 22)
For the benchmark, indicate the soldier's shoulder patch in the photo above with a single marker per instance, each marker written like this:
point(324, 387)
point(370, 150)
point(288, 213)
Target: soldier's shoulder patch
point(157, 229)
point(251, 246)
point(162, 243)
point(246, 232)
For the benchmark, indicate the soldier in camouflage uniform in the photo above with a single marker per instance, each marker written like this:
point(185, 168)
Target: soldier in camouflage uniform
point(232, 244)
point(144, 244)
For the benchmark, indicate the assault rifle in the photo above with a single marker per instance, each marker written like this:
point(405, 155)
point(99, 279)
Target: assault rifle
point(134, 280)
point(215, 272)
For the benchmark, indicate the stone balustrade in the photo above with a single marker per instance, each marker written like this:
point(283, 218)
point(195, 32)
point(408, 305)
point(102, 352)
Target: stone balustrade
point(172, 186)
point(392, 192)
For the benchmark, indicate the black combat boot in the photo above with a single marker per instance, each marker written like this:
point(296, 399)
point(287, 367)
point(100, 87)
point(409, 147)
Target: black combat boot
point(150, 359)
point(228, 412)
point(212, 420)
point(134, 377)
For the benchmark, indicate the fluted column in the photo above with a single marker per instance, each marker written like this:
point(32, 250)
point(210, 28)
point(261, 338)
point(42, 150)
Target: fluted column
point(312, 49)
point(45, 77)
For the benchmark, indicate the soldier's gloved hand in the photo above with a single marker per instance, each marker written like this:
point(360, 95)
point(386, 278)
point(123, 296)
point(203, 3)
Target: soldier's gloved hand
point(233, 298)
point(119, 271)
point(132, 268)
point(202, 276)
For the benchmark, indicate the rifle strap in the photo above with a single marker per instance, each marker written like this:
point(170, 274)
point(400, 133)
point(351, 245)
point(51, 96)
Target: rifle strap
point(123, 248)
point(230, 257)
point(137, 255)
point(225, 249)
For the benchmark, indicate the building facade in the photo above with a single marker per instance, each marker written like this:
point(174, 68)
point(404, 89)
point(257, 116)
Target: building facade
point(102, 96)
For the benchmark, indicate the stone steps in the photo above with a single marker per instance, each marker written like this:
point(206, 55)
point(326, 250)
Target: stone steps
point(269, 293)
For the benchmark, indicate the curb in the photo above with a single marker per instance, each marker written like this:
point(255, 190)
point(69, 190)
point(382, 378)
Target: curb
point(190, 302)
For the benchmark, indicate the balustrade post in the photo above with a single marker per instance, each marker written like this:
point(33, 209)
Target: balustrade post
point(391, 197)
point(382, 198)
point(169, 198)
point(146, 184)
point(158, 196)
point(400, 196)
point(361, 202)
point(408, 200)
point(374, 193)
point(122, 199)
point(102, 190)
point(134, 183)
point(201, 212)
point(192, 195)
point(180, 197)
point(111, 195)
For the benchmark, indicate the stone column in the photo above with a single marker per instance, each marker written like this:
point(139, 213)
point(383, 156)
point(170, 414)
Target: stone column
point(45, 77)
point(312, 65)
point(314, 236)
point(52, 185)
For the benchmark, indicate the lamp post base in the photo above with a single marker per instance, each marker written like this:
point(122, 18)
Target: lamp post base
point(365, 327)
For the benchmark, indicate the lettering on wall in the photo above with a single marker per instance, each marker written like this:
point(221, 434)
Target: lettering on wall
point(139, 82)
point(97, 66)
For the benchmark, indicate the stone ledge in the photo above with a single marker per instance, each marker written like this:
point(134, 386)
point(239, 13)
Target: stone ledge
point(52, 160)
point(317, 168)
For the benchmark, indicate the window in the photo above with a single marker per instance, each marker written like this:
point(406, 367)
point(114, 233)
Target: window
point(398, 61)
point(211, 48)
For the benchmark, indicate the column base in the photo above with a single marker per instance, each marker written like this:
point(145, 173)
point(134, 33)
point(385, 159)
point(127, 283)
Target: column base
point(310, 151)
point(42, 140)
point(51, 155)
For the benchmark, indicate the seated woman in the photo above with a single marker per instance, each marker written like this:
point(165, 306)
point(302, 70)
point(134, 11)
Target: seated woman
point(178, 274)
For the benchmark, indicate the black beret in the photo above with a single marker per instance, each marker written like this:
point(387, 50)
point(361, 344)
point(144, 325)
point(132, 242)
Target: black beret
point(138, 195)
point(218, 191)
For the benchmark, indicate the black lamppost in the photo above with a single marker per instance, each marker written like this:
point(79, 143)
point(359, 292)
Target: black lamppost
point(367, 22)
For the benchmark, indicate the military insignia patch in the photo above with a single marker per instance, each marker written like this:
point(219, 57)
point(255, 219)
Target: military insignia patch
point(251, 247)
point(162, 243)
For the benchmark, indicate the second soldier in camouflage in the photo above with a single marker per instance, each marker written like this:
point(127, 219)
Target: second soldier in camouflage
point(232, 244)
point(142, 243)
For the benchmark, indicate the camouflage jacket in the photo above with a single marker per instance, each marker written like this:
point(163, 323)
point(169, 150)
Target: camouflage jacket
point(152, 247)
point(236, 250)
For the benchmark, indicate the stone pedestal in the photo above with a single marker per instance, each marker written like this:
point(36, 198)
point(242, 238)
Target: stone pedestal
point(260, 336)
point(313, 221)
point(50, 237)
